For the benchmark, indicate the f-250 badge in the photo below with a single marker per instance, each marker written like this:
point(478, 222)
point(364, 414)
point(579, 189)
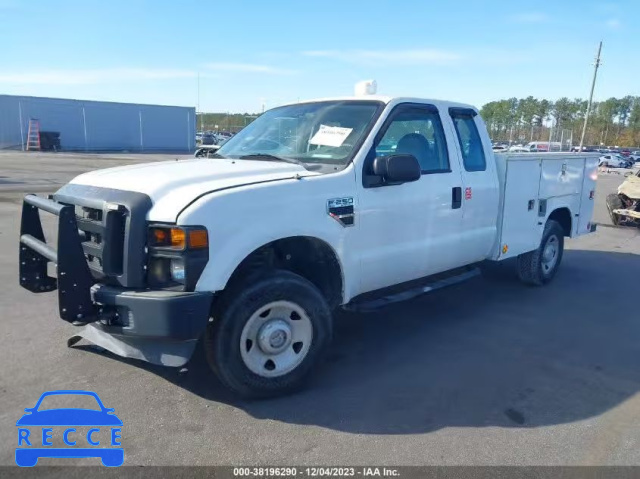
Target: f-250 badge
point(341, 210)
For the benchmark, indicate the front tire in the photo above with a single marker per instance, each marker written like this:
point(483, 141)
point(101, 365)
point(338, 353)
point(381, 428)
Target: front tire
point(538, 267)
point(614, 203)
point(267, 336)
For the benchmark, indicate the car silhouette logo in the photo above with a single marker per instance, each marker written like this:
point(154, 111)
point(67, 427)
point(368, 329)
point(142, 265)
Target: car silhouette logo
point(29, 425)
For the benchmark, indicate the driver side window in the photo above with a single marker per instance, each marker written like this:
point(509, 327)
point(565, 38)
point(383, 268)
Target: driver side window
point(416, 131)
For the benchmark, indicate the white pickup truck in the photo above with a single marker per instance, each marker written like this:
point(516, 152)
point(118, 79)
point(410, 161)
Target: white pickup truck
point(348, 202)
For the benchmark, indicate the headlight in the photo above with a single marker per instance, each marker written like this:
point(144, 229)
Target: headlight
point(177, 256)
point(158, 271)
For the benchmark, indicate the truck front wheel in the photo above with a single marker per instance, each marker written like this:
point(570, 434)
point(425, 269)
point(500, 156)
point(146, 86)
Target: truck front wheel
point(266, 336)
point(539, 266)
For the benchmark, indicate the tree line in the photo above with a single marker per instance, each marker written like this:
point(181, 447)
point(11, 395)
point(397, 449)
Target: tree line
point(232, 122)
point(615, 121)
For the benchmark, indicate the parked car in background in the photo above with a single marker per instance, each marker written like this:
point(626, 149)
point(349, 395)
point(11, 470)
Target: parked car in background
point(585, 149)
point(613, 161)
point(500, 148)
point(624, 206)
point(635, 156)
point(209, 139)
point(518, 149)
point(544, 146)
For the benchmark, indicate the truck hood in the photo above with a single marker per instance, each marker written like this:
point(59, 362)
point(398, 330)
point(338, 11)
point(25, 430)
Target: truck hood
point(172, 185)
point(630, 187)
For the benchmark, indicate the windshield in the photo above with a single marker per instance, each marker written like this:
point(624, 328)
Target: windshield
point(327, 132)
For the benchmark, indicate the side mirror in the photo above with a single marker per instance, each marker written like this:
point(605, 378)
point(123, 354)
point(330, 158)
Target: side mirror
point(397, 168)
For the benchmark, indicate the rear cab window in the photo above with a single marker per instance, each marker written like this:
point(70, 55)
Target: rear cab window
point(469, 139)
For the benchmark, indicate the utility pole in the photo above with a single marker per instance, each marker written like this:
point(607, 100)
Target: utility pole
point(199, 113)
point(593, 85)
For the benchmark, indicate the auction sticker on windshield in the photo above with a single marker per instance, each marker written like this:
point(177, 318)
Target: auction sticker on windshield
point(330, 136)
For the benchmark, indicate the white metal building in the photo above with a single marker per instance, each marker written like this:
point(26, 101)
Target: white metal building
point(98, 126)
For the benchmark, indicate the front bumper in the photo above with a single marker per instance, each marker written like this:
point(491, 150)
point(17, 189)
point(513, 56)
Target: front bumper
point(159, 326)
point(173, 315)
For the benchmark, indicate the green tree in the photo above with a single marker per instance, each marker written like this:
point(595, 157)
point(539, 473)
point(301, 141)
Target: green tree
point(607, 112)
point(529, 107)
point(624, 110)
point(563, 112)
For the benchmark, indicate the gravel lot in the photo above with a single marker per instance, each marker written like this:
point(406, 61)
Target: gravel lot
point(487, 372)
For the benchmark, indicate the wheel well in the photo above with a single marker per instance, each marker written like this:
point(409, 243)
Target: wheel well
point(562, 216)
point(306, 256)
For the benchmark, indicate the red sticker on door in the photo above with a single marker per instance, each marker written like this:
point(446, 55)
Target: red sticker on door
point(467, 193)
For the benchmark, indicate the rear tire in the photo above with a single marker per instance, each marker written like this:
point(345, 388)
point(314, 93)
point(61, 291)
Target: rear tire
point(614, 203)
point(538, 267)
point(267, 336)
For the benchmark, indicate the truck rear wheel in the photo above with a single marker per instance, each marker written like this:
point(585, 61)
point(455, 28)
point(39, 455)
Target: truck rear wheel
point(614, 203)
point(538, 267)
point(266, 336)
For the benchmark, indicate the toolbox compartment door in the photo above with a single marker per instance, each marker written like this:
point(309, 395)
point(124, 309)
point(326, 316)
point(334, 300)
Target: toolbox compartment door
point(519, 231)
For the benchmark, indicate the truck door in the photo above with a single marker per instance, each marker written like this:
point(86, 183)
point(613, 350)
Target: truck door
point(410, 230)
point(480, 185)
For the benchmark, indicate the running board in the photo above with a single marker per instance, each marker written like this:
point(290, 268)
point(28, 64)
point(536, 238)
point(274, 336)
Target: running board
point(426, 285)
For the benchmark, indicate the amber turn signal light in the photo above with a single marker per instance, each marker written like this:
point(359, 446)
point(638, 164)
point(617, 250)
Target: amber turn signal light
point(198, 239)
point(176, 238)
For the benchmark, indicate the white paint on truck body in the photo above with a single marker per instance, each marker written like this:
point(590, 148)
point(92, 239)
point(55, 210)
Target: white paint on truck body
point(562, 180)
point(401, 232)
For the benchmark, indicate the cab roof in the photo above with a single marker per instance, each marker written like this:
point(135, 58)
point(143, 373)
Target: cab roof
point(391, 100)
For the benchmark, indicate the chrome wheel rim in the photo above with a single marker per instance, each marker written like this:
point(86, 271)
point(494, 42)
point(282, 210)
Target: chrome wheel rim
point(550, 254)
point(276, 339)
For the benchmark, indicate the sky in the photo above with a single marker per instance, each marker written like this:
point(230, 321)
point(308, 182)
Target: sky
point(239, 55)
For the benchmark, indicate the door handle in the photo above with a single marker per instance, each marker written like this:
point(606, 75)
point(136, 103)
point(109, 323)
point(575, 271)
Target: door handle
point(456, 197)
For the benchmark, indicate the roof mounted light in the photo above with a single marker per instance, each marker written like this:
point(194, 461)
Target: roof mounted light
point(366, 87)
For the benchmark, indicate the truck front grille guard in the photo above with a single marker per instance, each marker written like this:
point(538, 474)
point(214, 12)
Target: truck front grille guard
point(103, 238)
point(74, 279)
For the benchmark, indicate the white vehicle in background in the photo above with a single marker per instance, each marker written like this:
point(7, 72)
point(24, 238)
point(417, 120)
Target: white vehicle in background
point(544, 146)
point(348, 202)
point(518, 149)
point(612, 161)
point(500, 148)
point(635, 156)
